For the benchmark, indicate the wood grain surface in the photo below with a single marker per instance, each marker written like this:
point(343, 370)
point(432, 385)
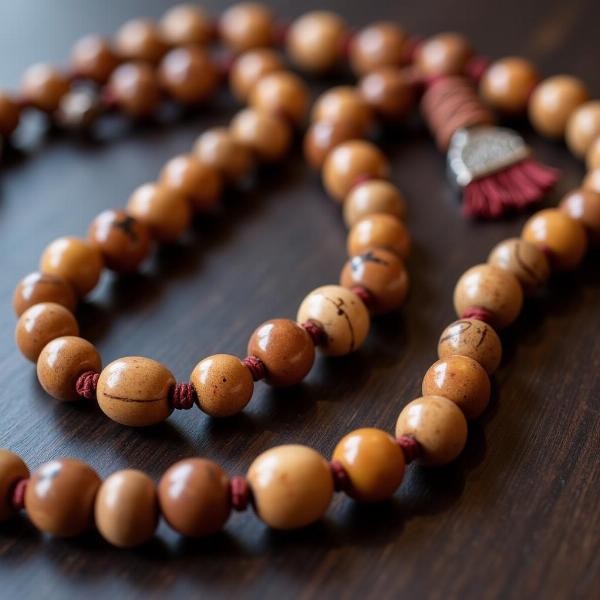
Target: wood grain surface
point(517, 516)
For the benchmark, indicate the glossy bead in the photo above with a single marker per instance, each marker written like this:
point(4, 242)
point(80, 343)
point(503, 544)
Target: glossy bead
point(389, 91)
point(323, 136)
point(188, 75)
point(374, 463)
point(379, 45)
point(592, 181)
point(140, 39)
point(79, 109)
point(126, 509)
point(75, 261)
point(282, 93)
point(342, 316)
point(135, 89)
point(93, 58)
point(40, 324)
point(382, 274)
point(583, 127)
point(200, 183)
point(266, 134)
point(462, 380)
point(62, 361)
point(164, 211)
point(507, 84)
point(186, 25)
point(194, 497)
point(247, 25)
point(249, 67)
point(350, 163)
point(291, 485)
point(379, 231)
point(552, 103)
point(43, 86)
point(443, 54)
point(12, 470)
point(559, 235)
point(592, 157)
point(524, 260)
point(60, 497)
point(472, 338)
point(10, 114)
point(286, 350)
point(223, 385)
point(315, 41)
point(123, 241)
point(42, 287)
point(371, 197)
point(135, 391)
point(584, 206)
point(345, 104)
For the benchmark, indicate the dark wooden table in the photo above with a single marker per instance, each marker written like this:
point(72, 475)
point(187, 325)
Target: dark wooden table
point(516, 517)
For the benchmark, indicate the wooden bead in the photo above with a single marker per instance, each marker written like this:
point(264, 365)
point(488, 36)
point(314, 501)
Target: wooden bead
point(93, 58)
point(291, 485)
point(140, 40)
point(382, 274)
point(374, 463)
point(379, 231)
point(194, 497)
point(12, 470)
point(75, 261)
point(349, 164)
point(443, 54)
point(223, 385)
point(164, 211)
point(472, 338)
point(389, 91)
point(126, 509)
point(343, 103)
point(315, 41)
point(584, 206)
point(583, 127)
point(10, 114)
point(372, 197)
point(186, 25)
point(79, 109)
point(200, 183)
point(559, 235)
point(379, 45)
point(524, 260)
point(43, 86)
point(123, 241)
point(188, 75)
point(135, 391)
point(247, 25)
point(286, 350)
point(323, 136)
point(251, 66)
point(592, 157)
point(40, 324)
point(462, 380)
point(282, 93)
point(62, 361)
point(507, 84)
point(42, 287)
point(60, 497)
point(342, 316)
point(592, 181)
point(266, 134)
point(552, 103)
point(135, 89)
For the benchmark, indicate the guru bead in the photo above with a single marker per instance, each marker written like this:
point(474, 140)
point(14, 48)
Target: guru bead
point(43, 287)
point(584, 206)
point(10, 114)
point(249, 67)
point(282, 93)
point(291, 485)
point(371, 197)
point(438, 425)
point(389, 91)
point(43, 86)
point(247, 25)
point(443, 54)
point(378, 45)
point(140, 40)
point(135, 89)
point(93, 58)
point(186, 25)
point(583, 127)
point(12, 470)
point(135, 391)
point(379, 231)
point(343, 103)
point(322, 136)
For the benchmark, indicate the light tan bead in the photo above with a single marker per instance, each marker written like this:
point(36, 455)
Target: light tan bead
point(186, 25)
point(282, 93)
point(62, 361)
point(247, 25)
point(524, 260)
point(379, 231)
point(92, 58)
point(135, 391)
point(43, 86)
point(390, 91)
point(558, 234)
point(592, 157)
point(135, 89)
point(374, 463)
point(342, 316)
point(291, 485)
point(372, 197)
point(223, 385)
point(462, 380)
point(378, 45)
point(322, 136)
point(584, 206)
point(592, 181)
point(126, 509)
point(42, 287)
point(10, 114)
point(315, 41)
point(140, 39)
point(249, 67)
point(343, 103)
point(350, 163)
point(583, 127)
point(165, 211)
point(443, 54)
point(12, 470)
point(40, 324)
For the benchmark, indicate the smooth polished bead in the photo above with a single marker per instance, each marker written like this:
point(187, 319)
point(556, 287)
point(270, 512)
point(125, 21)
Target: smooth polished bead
point(247, 25)
point(60, 497)
point(43, 86)
point(584, 206)
point(10, 114)
point(285, 348)
point(140, 39)
point(135, 89)
point(93, 58)
point(12, 470)
point(524, 260)
point(349, 164)
point(438, 425)
point(43, 287)
point(282, 93)
point(378, 45)
point(186, 25)
point(251, 66)
point(372, 197)
point(79, 109)
point(374, 463)
point(553, 101)
point(559, 235)
point(126, 509)
point(592, 157)
point(62, 361)
point(343, 103)
point(443, 54)
point(382, 274)
point(389, 91)
point(40, 324)
point(164, 211)
point(194, 497)
point(291, 485)
point(322, 136)
point(223, 385)
point(583, 128)
point(592, 181)
point(342, 316)
point(472, 338)
point(379, 231)
point(135, 391)
point(315, 41)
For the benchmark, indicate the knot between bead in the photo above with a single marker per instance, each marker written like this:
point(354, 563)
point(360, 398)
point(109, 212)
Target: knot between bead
point(341, 480)
point(86, 385)
point(256, 367)
point(410, 447)
point(240, 492)
point(316, 332)
point(479, 313)
point(183, 396)
point(364, 294)
point(18, 494)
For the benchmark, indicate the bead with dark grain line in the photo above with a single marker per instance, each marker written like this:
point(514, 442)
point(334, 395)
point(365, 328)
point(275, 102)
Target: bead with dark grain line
point(379, 231)
point(135, 89)
point(323, 136)
point(42, 287)
point(43, 86)
point(443, 54)
point(249, 67)
point(12, 470)
point(343, 104)
point(186, 25)
point(247, 25)
point(282, 93)
point(93, 58)
point(378, 45)
point(389, 91)
point(584, 206)
point(140, 40)
point(10, 114)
